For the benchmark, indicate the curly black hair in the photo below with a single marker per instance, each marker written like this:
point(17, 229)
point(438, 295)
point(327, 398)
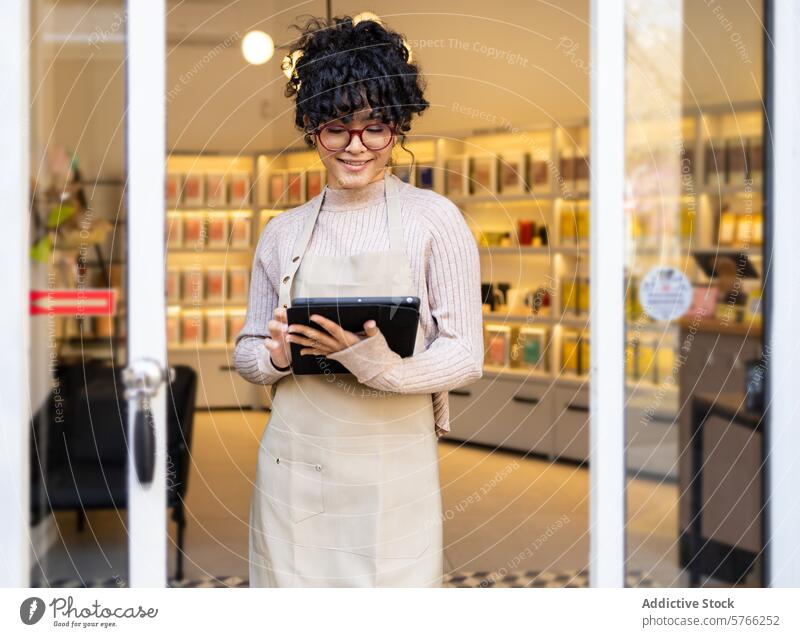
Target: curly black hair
point(341, 67)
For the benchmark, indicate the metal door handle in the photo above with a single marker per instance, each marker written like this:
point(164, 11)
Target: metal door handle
point(142, 378)
point(144, 445)
point(461, 392)
point(526, 399)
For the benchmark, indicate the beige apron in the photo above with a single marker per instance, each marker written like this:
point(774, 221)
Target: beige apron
point(347, 481)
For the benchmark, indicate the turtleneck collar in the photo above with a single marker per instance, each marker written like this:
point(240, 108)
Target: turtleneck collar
point(354, 198)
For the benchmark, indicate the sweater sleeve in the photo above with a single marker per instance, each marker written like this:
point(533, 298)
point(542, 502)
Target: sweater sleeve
point(251, 357)
point(455, 357)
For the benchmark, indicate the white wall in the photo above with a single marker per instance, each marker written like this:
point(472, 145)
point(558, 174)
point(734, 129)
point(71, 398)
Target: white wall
point(217, 102)
point(539, 72)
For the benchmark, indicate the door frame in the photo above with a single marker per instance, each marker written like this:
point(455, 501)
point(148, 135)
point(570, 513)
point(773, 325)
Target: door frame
point(15, 413)
point(781, 282)
point(145, 148)
point(607, 292)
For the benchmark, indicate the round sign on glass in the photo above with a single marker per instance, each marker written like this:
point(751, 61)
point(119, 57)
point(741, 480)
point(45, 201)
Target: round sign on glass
point(665, 293)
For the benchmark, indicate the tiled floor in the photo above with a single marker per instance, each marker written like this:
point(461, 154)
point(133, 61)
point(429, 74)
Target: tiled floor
point(517, 518)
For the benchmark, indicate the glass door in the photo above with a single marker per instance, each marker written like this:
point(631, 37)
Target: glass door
point(694, 274)
point(96, 361)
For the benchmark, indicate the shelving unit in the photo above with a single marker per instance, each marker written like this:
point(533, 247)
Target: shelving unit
point(210, 248)
point(499, 178)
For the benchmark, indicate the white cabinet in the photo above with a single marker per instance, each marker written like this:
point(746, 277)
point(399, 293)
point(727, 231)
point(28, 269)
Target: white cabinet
point(218, 383)
point(504, 412)
point(571, 423)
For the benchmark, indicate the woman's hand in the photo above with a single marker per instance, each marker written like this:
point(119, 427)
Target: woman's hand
point(277, 344)
point(332, 338)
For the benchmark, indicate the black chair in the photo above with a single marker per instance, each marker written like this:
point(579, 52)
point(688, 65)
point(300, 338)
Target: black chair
point(79, 451)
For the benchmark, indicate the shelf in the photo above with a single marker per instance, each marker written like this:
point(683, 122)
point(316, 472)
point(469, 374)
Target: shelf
point(517, 373)
point(533, 250)
point(727, 190)
point(203, 347)
point(230, 209)
point(536, 320)
point(233, 306)
point(205, 250)
point(465, 200)
point(574, 380)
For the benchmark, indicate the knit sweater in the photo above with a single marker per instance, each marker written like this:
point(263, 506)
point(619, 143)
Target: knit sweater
point(445, 272)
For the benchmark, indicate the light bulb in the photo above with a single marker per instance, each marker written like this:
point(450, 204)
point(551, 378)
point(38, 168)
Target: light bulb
point(257, 47)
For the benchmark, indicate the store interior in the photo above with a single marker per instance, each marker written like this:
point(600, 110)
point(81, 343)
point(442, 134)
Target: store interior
point(507, 139)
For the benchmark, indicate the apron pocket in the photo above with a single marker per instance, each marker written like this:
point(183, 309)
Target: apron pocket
point(306, 495)
point(297, 486)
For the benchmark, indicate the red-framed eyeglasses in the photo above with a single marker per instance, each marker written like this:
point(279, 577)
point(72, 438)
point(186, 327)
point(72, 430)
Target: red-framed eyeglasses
point(336, 137)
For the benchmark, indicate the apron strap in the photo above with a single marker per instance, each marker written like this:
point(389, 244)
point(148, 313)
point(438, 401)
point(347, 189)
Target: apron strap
point(393, 213)
point(299, 249)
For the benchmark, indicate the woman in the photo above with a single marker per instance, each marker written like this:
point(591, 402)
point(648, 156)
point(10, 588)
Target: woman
point(347, 485)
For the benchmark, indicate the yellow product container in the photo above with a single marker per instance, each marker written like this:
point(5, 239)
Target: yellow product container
point(688, 215)
point(569, 294)
point(514, 350)
point(583, 363)
point(569, 352)
point(569, 223)
point(752, 311)
point(630, 359)
point(583, 296)
point(582, 220)
point(665, 359)
point(647, 354)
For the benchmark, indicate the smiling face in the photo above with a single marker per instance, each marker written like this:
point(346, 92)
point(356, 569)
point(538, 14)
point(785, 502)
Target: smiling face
point(355, 166)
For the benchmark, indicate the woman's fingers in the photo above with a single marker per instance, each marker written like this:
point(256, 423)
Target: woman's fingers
point(304, 335)
point(277, 343)
point(277, 329)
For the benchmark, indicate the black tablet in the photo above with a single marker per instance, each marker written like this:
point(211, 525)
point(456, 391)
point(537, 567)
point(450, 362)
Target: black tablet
point(397, 317)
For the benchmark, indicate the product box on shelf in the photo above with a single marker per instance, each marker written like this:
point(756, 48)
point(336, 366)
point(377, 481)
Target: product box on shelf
point(423, 177)
point(539, 174)
point(173, 325)
point(497, 340)
point(236, 321)
point(215, 284)
point(513, 173)
point(295, 188)
point(191, 327)
point(239, 190)
point(194, 191)
point(216, 190)
point(277, 187)
point(192, 288)
point(174, 230)
point(241, 223)
point(483, 175)
point(194, 233)
point(315, 180)
point(238, 282)
point(456, 176)
point(528, 350)
point(173, 285)
point(217, 233)
point(215, 329)
point(173, 188)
